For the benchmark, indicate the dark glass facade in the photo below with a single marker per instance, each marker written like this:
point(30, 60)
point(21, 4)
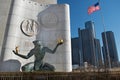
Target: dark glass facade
point(90, 25)
point(99, 60)
point(80, 48)
point(86, 48)
point(75, 51)
point(110, 56)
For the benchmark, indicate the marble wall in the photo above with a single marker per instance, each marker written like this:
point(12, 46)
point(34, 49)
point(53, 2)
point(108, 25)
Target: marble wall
point(50, 22)
point(4, 11)
point(46, 1)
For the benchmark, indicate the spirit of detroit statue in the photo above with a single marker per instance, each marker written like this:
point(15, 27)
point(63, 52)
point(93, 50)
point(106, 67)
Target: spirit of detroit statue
point(39, 52)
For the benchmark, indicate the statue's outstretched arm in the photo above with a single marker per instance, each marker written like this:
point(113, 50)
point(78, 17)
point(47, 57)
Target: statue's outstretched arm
point(23, 56)
point(54, 50)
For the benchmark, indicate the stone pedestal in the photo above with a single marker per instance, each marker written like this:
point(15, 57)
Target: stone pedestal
point(28, 21)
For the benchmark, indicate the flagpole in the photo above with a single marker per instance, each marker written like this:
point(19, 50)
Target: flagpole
point(106, 42)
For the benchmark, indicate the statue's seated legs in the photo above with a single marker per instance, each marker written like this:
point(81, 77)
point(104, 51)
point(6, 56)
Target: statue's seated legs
point(48, 67)
point(28, 67)
point(43, 67)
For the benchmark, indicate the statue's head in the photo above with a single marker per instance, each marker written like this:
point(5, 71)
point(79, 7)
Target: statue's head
point(37, 42)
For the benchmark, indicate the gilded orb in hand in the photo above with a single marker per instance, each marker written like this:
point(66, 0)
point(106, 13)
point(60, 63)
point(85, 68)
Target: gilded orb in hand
point(16, 49)
point(60, 41)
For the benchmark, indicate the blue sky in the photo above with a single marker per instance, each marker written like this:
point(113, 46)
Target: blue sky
point(111, 15)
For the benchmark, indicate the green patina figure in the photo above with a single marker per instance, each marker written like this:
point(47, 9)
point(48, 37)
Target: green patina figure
point(39, 52)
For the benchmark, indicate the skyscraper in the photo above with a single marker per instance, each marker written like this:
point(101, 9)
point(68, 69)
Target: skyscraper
point(98, 54)
point(90, 25)
point(80, 48)
point(109, 41)
point(88, 47)
point(75, 51)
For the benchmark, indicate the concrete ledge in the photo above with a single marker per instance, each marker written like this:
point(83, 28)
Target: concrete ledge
point(60, 75)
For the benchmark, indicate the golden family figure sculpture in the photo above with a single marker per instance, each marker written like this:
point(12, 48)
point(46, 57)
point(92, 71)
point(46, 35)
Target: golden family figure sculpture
point(39, 52)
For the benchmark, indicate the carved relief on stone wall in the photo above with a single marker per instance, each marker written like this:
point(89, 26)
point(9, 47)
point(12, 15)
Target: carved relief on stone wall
point(29, 27)
point(49, 20)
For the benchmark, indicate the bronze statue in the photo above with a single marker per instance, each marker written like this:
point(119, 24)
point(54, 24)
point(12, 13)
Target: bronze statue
point(39, 52)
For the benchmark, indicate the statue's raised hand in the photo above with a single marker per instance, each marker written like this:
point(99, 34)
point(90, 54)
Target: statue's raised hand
point(16, 50)
point(60, 41)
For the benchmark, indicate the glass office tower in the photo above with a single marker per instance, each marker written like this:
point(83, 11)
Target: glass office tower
point(75, 51)
point(109, 41)
point(88, 47)
point(85, 47)
point(90, 25)
point(99, 60)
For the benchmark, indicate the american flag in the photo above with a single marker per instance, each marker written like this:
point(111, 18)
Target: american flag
point(93, 8)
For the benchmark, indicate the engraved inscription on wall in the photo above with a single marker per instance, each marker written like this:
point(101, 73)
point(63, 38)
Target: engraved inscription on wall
point(49, 20)
point(29, 27)
point(0, 18)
